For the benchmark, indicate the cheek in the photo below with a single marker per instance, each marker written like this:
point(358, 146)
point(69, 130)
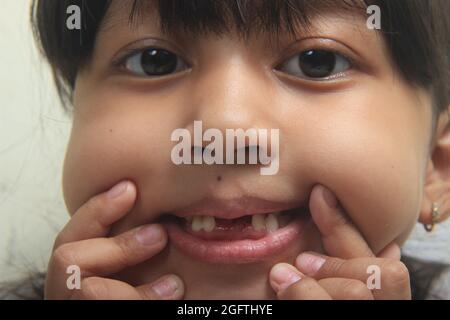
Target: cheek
point(371, 155)
point(110, 142)
point(378, 184)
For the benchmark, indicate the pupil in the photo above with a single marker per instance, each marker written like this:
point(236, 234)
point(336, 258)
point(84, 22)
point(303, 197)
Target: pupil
point(158, 62)
point(317, 63)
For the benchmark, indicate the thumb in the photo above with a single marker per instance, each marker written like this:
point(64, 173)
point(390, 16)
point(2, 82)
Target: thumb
point(168, 287)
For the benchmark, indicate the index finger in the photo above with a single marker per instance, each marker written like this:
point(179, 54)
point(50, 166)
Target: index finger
point(340, 238)
point(94, 218)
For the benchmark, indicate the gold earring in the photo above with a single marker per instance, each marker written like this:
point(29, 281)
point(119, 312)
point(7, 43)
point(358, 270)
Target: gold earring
point(434, 218)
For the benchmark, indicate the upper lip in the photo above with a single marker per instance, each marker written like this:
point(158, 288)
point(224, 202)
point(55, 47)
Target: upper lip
point(235, 208)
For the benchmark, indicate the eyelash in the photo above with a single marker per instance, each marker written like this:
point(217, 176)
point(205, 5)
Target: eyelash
point(337, 57)
point(121, 63)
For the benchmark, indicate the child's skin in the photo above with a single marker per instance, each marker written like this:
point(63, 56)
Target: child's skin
point(365, 135)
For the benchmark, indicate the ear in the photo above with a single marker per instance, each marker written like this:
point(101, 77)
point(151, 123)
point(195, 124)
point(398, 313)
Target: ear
point(437, 185)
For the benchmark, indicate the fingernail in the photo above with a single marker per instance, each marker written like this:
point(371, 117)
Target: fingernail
point(118, 189)
point(165, 288)
point(149, 235)
point(309, 263)
point(329, 197)
point(283, 276)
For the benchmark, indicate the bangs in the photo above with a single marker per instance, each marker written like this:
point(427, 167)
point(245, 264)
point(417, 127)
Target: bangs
point(244, 16)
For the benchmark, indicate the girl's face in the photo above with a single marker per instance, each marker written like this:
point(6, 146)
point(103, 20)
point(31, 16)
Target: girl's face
point(363, 132)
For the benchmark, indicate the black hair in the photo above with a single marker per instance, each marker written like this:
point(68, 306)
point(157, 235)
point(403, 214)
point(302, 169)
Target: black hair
point(417, 32)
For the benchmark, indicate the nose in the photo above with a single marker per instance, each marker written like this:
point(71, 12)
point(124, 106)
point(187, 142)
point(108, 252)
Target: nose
point(231, 92)
point(232, 95)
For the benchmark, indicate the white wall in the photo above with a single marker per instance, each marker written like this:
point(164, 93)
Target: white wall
point(33, 134)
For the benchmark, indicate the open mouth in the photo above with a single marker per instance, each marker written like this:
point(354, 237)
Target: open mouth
point(229, 238)
point(247, 227)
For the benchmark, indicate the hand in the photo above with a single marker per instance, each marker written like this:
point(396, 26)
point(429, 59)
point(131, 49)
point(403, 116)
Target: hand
point(342, 274)
point(83, 243)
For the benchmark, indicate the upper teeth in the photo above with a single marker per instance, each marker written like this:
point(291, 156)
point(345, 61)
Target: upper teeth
point(209, 223)
point(260, 222)
point(271, 223)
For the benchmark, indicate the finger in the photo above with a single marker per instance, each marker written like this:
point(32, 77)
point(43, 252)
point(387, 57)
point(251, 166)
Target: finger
point(392, 251)
point(346, 289)
point(340, 237)
point(94, 218)
point(104, 256)
point(290, 284)
point(282, 275)
point(168, 287)
point(96, 288)
point(305, 289)
point(389, 278)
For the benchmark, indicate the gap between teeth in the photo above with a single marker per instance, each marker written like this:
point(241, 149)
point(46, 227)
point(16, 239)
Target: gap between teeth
point(260, 222)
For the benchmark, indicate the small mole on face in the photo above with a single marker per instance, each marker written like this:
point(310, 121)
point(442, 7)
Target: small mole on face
point(219, 178)
point(110, 130)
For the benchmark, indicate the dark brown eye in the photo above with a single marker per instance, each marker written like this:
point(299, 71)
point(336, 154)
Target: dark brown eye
point(154, 62)
point(315, 64)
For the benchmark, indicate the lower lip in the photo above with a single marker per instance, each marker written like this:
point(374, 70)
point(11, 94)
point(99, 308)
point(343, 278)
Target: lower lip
point(239, 251)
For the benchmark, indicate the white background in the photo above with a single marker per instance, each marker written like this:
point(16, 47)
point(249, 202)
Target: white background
point(33, 135)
